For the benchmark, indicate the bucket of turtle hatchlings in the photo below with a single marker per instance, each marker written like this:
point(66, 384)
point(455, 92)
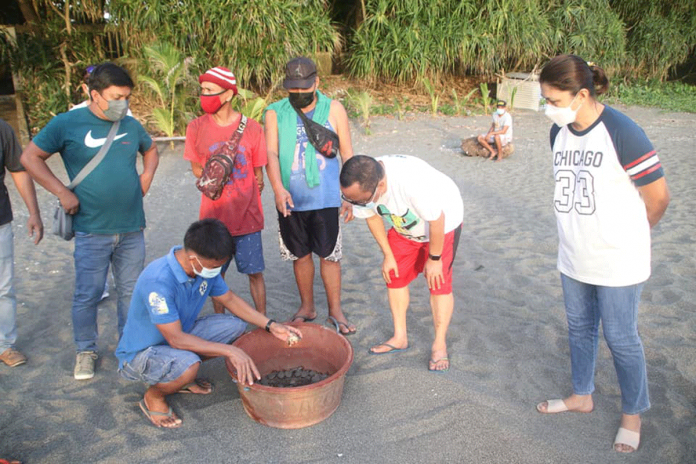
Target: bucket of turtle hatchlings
point(318, 363)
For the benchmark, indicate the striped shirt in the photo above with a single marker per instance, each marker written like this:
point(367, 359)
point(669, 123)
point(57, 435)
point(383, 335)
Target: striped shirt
point(604, 234)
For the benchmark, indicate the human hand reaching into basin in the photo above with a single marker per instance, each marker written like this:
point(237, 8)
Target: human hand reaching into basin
point(243, 365)
point(287, 333)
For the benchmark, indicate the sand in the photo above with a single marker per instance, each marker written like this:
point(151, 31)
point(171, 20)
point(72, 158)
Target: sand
point(507, 341)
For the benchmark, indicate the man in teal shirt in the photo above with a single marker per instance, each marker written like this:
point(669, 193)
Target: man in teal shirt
point(107, 206)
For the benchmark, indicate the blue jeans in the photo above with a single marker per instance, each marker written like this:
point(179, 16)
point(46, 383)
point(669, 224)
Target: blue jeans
point(617, 308)
point(93, 254)
point(8, 303)
point(164, 364)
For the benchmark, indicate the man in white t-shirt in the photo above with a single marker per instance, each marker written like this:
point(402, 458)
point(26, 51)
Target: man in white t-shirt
point(424, 210)
point(500, 133)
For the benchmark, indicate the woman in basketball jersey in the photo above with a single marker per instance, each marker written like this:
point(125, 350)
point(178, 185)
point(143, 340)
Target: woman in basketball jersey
point(610, 190)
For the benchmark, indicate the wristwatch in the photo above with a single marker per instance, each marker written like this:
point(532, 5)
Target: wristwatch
point(268, 325)
point(434, 257)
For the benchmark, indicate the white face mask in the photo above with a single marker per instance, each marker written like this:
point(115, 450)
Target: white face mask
point(205, 272)
point(500, 111)
point(562, 116)
point(369, 205)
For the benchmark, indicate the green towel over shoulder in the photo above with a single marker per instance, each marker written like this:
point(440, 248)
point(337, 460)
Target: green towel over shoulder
point(287, 138)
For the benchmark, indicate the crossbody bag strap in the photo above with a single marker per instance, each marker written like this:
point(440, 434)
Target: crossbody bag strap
point(303, 117)
point(89, 167)
point(240, 129)
point(237, 137)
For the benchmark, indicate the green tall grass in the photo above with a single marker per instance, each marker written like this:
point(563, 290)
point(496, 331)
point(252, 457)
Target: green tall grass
point(254, 39)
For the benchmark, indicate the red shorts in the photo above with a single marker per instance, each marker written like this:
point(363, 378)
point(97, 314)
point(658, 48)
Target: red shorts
point(411, 257)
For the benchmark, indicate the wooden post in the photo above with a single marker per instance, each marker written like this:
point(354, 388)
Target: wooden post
point(24, 136)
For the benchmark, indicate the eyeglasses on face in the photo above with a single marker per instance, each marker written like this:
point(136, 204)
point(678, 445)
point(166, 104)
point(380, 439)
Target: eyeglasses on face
point(360, 203)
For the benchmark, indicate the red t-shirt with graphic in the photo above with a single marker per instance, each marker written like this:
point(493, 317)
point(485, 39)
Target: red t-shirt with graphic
point(239, 206)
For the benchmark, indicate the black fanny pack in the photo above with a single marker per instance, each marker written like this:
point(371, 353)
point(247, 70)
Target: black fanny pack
point(324, 140)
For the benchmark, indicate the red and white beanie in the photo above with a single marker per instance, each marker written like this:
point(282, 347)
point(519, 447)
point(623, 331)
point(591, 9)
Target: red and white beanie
point(220, 76)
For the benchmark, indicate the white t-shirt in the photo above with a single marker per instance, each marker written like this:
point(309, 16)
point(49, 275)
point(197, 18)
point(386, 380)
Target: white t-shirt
point(501, 121)
point(416, 193)
point(603, 229)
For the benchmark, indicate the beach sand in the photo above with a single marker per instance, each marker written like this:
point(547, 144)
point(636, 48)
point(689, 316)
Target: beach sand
point(507, 341)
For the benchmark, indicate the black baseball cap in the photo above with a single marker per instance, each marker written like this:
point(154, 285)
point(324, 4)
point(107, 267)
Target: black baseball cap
point(300, 73)
point(501, 103)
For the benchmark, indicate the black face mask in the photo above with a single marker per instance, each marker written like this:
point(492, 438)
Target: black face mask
point(301, 99)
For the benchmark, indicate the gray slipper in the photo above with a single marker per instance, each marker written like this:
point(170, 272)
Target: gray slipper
point(150, 414)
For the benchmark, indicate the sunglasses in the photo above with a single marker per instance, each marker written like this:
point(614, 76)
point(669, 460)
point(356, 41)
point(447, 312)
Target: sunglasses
point(360, 203)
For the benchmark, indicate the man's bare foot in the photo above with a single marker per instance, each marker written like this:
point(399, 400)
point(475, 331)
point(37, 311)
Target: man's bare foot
point(390, 345)
point(161, 416)
point(493, 153)
point(438, 359)
point(630, 423)
point(574, 403)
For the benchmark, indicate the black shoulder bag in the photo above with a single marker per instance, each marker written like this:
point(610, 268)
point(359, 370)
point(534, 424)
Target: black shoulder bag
point(324, 140)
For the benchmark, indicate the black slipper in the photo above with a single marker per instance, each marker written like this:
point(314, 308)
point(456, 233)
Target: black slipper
point(338, 326)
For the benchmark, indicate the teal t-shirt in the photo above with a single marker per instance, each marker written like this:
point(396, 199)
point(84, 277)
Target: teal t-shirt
point(111, 199)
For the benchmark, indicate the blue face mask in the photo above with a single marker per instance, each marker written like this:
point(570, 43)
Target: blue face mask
point(500, 111)
point(205, 272)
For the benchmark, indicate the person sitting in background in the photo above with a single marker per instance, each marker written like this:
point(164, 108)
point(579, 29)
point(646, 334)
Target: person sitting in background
point(500, 133)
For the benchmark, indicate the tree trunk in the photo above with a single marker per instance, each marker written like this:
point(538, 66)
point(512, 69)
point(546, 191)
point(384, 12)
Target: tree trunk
point(27, 9)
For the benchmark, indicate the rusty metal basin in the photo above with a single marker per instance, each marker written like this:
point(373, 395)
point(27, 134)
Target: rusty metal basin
point(321, 349)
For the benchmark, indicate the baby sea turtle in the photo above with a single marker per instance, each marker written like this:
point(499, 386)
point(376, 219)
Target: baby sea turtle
point(293, 338)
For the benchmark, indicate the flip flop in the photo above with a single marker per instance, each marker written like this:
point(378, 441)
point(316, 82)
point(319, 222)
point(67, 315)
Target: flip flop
point(627, 437)
point(302, 318)
point(392, 349)
point(150, 415)
point(207, 385)
point(435, 361)
point(553, 407)
point(338, 326)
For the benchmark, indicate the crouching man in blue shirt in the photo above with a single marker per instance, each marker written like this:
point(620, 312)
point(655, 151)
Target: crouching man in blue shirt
point(164, 341)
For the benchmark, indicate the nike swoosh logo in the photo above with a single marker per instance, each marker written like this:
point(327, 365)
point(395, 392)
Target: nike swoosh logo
point(206, 182)
point(95, 143)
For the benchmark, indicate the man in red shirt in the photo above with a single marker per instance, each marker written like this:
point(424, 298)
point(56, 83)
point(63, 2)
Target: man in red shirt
point(239, 206)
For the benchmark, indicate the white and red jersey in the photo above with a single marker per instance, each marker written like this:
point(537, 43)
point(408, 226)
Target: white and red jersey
point(603, 229)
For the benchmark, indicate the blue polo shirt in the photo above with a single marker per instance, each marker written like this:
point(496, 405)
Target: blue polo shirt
point(164, 293)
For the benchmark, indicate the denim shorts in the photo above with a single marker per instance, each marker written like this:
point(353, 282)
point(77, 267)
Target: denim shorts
point(248, 254)
point(163, 364)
